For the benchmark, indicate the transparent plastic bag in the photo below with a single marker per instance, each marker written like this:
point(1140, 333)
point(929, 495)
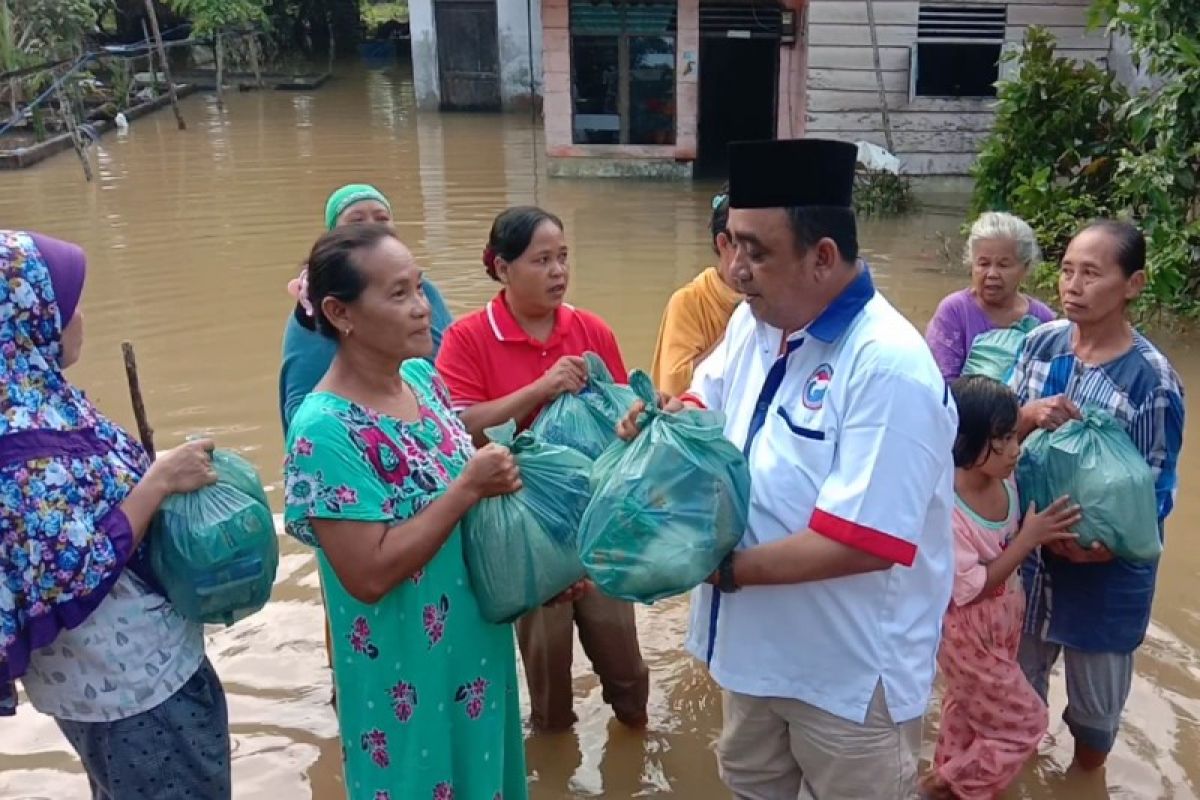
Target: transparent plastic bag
point(667, 506)
point(1094, 462)
point(586, 421)
point(522, 549)
point(214, 550)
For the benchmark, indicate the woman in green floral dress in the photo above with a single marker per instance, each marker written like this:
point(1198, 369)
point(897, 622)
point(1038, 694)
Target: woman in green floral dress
point(378, 474)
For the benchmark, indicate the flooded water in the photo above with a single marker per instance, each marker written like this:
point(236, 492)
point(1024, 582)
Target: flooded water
point(191, 238)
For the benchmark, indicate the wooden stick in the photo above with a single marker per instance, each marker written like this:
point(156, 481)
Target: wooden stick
point(162, 56)
point(145, 432)
point(150, 57)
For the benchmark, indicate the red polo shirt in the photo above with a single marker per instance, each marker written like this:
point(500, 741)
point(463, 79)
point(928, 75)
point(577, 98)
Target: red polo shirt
point(486, 355)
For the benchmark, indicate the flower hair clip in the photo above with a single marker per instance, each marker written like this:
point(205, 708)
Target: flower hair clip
point(298, 289)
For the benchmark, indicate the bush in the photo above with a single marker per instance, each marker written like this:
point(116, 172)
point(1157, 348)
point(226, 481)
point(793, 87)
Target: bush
point(1071, 144)
point(882, 194)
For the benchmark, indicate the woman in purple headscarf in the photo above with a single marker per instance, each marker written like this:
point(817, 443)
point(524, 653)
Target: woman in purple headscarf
point(81, 624)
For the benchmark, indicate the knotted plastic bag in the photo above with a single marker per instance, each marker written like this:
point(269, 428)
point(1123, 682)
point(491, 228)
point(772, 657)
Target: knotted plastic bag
point(995, 352)
point(1094, 462)
point(667, 506)
point(586, 421)
point(214, 550)
point(522, 549)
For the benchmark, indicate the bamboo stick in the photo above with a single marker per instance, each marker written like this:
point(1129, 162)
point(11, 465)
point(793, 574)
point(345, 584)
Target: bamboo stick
point(162, 56)
point(219, 51)
point(150, 57)
point(145, 432)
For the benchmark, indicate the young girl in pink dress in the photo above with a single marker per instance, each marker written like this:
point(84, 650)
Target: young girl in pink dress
point(992, 719)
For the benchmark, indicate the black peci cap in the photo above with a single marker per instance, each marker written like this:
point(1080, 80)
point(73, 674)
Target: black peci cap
point(784, 173)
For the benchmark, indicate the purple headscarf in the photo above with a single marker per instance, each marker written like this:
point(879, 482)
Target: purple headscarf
point(68, 268)
point(65, 469)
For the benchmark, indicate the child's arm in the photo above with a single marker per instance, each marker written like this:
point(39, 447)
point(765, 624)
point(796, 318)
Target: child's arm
point(1051, 525)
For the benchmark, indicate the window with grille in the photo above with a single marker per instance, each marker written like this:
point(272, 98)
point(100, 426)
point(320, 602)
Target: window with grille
point(958, 49)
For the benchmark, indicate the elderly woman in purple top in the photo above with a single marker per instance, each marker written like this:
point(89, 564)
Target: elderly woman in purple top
point(1000, 250)
point(81, 624)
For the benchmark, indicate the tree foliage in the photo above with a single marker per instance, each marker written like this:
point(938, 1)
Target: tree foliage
point(209, 17)
point(39, 30)
point(1071, 143)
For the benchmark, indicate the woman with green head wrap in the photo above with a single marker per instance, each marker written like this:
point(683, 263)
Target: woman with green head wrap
point(307, 354)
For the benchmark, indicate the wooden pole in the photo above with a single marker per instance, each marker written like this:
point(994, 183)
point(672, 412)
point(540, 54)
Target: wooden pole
point(150, 57)
point(145, 432)
point(219, 51)
point(332, 44)
point(883, 103)
point(254, 59)
point(67, 113)
point(162, 56)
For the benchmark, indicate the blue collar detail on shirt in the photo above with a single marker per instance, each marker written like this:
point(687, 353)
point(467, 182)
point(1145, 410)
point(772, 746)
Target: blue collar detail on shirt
point(837, 316)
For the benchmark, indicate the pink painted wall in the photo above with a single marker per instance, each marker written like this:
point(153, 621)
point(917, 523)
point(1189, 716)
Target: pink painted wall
point(556, 43)
point(792, 104)
point(556, 62)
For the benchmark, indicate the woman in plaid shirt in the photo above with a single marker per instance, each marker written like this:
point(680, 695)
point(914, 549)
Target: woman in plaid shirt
point(1088, 606)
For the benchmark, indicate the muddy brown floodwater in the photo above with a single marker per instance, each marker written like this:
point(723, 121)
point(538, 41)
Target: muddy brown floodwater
point(191, 238)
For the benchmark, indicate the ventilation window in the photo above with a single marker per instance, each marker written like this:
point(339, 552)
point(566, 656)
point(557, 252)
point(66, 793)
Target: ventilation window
point(958, 51)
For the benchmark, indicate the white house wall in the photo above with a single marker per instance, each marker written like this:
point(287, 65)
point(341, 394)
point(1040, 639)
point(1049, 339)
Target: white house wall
point(424, 53)
point(931, 136)
point(513, 18)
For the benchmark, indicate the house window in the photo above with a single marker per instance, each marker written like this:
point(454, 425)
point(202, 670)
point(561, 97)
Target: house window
point(958, 51)
point(623, 71)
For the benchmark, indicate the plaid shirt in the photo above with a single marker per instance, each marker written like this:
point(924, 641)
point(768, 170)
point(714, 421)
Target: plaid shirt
point(1102, 607)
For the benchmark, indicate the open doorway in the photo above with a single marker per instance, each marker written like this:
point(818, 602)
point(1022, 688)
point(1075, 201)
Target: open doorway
point(739, 69)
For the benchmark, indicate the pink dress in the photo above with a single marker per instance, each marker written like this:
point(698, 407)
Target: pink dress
point(992, 719)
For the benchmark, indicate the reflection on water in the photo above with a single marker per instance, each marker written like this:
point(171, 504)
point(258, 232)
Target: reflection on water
point(192, 237)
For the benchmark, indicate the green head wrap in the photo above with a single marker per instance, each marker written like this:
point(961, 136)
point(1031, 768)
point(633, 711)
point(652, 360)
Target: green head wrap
point(347, 196)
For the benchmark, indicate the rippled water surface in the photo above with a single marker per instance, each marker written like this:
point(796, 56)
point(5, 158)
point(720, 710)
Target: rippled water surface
point(191, 238)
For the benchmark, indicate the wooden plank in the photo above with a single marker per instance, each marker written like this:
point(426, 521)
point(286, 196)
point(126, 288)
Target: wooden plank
point(948, 143)
point(843, 100)
point(840, 100)
point(939, 141)
point(893, 80)
point(833, 12)
point(856, 58)
point(860, 35)
point(1068, 38)
point(853, 122)
point(1048, 14)
point(937, 163)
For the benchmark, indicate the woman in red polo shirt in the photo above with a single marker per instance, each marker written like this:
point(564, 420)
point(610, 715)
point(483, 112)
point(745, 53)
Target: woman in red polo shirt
point(507, 361)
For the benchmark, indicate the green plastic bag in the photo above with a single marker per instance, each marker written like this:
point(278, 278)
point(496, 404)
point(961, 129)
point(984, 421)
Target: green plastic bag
point(1094, 462)
point(995, 353)
point(214, 550)
point(586, 421)
point(667, 507)
point(522, 549)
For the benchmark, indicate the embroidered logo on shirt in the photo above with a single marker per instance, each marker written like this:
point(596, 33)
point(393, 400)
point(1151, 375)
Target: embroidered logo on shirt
point(816, 386)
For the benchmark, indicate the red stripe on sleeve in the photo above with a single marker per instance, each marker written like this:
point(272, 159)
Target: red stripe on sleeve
point(688, 397)
point(860, 537)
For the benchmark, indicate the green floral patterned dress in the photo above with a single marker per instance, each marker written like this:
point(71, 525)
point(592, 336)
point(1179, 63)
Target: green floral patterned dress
point(427, 690)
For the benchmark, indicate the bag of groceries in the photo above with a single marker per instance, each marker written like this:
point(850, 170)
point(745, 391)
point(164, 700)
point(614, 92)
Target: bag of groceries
point(586, 421)
point(521, 549)
point(214, 550)
point(1094, 462)
point(667, 507)
point(995, 352)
